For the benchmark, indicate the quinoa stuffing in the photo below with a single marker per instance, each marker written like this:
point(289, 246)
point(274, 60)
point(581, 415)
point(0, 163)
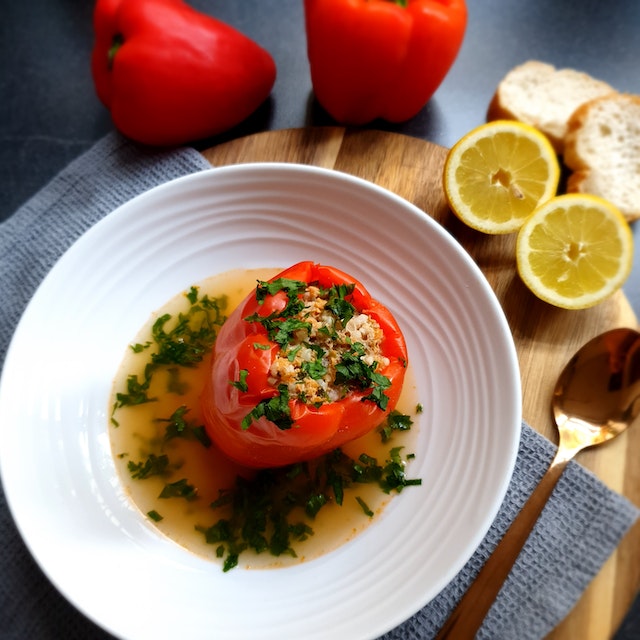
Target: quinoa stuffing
point(309, 364)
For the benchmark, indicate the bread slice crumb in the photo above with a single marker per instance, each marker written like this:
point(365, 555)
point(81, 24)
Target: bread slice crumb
point(602, 148)
point(545, 97)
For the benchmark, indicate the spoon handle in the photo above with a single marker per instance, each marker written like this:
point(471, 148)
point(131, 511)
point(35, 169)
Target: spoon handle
point(467, 617)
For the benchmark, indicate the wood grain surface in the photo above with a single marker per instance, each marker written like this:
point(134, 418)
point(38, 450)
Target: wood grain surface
point(545, 337)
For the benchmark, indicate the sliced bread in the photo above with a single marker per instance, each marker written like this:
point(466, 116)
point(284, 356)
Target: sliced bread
point(545, 97)
point(602, 148)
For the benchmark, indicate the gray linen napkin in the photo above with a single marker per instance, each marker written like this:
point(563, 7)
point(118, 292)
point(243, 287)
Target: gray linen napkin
point(578, 530)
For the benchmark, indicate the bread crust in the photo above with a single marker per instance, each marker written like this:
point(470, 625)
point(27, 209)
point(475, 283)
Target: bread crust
point(602, 149)
point(545, 97)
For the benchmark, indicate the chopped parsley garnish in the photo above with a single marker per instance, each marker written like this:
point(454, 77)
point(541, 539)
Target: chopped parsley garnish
point(291, 328)
point(192, 336)
point(153, 466)
point(365, 508)
point(279, 329)
point(241, 383)
point(192, 295)
point(291, 287)
point(178, 427)
point(139, 348)
point(137, 392)
point(394, 478)
point(262, 513)
point(314, 369)
point(175, 384)
point(353, 371)
point(201, 435)
point(395, 421)
point(182, 345)
point(275, 409)
point(179, 489)
point(291, 355)
point(337, 303)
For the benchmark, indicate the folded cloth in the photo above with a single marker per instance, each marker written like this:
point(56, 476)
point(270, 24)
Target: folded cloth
point(579, 528)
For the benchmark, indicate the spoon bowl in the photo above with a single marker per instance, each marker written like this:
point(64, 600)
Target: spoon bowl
point(596, 398)
point(597, 395)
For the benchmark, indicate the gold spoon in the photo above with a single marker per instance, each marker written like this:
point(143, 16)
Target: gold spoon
point(596, 398)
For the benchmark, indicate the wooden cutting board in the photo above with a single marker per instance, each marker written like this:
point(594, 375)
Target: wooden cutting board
point(545, 337)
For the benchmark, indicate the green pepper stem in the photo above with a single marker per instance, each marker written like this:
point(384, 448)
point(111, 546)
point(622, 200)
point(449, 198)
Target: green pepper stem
point(116, 43)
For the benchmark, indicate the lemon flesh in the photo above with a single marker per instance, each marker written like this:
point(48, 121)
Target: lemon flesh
point(575, 251)
point(497, 174)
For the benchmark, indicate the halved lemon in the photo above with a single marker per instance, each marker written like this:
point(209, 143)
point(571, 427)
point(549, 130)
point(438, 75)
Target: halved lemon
point(497, 174)
point(575, 251)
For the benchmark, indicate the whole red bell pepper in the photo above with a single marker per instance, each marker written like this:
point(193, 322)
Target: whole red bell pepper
point(170, 74)
point(381, 58)
point(249, 409)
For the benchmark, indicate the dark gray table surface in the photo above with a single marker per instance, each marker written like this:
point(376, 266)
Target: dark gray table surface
point(49, 112)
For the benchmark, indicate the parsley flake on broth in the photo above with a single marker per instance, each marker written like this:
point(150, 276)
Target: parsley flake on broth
point(208, 503)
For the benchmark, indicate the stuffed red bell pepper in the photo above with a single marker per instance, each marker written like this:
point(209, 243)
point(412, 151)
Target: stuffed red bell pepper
point(380, 58)
point(171, 75)
point(308, 362)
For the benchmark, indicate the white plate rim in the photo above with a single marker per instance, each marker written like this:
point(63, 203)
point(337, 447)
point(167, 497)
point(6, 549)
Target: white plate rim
point(114, 219)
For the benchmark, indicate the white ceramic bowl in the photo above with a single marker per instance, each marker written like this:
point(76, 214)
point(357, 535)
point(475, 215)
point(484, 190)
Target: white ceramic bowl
point(55, 455)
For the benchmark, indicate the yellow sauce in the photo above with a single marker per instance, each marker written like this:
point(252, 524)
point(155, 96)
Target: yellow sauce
point(140, 430)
